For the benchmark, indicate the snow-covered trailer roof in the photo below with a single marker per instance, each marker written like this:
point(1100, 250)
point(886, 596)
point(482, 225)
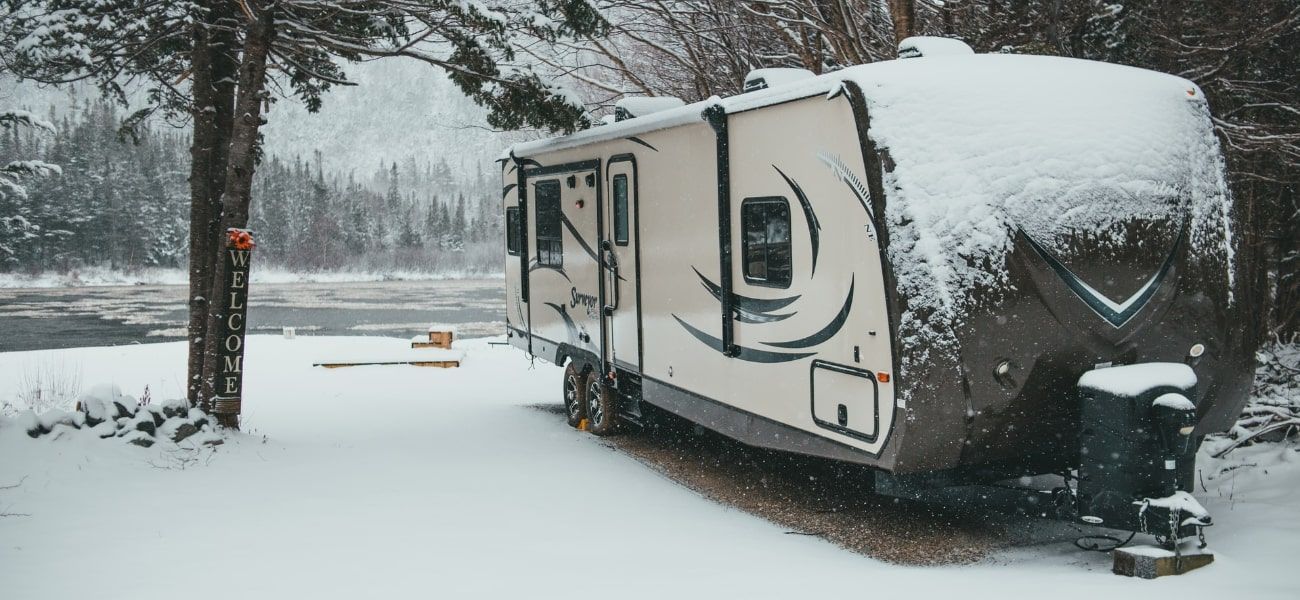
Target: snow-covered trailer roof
point(982, 145)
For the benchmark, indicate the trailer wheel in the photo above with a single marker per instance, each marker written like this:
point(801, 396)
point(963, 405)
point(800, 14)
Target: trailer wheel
point(575, 394)
point(602, 409)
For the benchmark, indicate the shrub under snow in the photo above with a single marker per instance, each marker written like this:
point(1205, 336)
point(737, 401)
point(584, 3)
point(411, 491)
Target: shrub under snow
point(1273, 412)
point(108, 413)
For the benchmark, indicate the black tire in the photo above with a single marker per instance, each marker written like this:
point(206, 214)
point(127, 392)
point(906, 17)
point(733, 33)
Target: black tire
point(575, 395)
point(602, 406)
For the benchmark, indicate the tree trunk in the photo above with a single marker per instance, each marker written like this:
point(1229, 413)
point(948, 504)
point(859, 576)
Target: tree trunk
point(212, 79)
point(1287, 308)
point(242, 161)
point(1252, 258)
point(903, 13)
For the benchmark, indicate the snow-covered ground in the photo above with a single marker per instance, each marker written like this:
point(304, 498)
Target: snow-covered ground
point(396, 482)
point(101, 276)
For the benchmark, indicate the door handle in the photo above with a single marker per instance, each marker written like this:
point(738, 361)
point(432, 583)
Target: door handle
point(611, 263)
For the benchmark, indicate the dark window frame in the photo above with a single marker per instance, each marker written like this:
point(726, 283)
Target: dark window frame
point(514, 234)
point(549, 229)
point(620, 214)
point(758, 203)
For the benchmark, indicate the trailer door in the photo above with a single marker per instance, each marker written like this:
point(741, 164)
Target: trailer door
point(620, 254)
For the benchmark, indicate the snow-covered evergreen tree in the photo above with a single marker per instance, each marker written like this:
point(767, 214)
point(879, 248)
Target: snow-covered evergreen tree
point(16, 211)
point(409, 236)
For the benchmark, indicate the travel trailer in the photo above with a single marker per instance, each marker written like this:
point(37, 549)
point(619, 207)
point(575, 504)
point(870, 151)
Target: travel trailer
point(957, 270)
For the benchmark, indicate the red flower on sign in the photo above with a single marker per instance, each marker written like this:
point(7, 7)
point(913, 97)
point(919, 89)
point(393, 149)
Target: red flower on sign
point(241, 239)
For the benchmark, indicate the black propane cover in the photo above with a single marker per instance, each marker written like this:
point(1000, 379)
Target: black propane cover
point(1132, 448)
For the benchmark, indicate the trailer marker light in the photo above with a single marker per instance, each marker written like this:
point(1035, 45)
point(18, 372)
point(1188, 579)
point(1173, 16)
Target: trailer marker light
point(882, 377)
point(1196, 351)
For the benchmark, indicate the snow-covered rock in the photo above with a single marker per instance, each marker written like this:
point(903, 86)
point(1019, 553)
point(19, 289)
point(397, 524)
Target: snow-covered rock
point(106, 429)
point(106, 402)
point(104, 412)
point(154, 411)
point(142, 421)
point(139, 438)
point(175, 408)
point(199, 418)
point(177, 429)
point(54, 416)
point(60, 431)
point(30, 423)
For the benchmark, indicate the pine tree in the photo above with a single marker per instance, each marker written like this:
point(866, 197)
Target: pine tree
point(16, 226)
point(431, 220)
point(409, 237)
point(457, 231)
point(393, 199)
point(443, 232)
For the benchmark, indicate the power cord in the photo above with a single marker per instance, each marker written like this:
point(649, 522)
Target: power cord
point(1093, 543)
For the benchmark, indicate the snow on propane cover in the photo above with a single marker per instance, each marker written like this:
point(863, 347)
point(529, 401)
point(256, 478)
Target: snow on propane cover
point(984, 144)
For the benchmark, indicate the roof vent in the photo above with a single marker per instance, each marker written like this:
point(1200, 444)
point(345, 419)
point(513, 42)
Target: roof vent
point(924, 45)
point(761, 79)
point(640, 106)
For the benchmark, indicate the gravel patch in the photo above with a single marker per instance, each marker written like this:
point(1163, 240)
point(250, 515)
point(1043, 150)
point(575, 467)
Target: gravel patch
point(834, 501)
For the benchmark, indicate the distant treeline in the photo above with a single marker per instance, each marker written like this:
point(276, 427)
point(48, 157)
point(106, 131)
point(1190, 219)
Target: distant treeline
point(424, 220)
point(122, 202)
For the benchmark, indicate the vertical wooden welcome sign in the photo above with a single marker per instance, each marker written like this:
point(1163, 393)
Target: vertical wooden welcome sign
point(229, 386)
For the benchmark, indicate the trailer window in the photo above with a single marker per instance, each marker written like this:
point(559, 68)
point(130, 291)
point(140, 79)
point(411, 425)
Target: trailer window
point(620, 209)
point(767, 241)
point(514, 237)
point(550, 237)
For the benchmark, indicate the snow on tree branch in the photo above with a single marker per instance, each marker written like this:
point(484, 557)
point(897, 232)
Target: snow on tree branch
point(31, 168)
point(147, 42)
point(12, 174)
point(16, 118)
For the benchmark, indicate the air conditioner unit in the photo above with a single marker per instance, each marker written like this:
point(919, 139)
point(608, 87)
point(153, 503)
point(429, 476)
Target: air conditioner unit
point(640, 106)
point(924, 45)
point(761, 79)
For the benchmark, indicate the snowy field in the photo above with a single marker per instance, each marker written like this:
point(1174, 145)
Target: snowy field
point(403, 482)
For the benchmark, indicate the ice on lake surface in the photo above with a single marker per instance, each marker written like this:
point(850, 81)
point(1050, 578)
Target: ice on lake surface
point(36, 319)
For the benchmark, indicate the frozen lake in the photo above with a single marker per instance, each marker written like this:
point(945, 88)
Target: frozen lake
point(38, 319)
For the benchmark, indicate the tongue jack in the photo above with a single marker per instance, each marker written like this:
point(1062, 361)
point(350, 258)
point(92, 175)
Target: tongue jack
point(1174, 418)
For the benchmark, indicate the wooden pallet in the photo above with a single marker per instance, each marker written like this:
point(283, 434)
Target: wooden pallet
point(438, 338)
point(434, 351)
point(441, 364)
